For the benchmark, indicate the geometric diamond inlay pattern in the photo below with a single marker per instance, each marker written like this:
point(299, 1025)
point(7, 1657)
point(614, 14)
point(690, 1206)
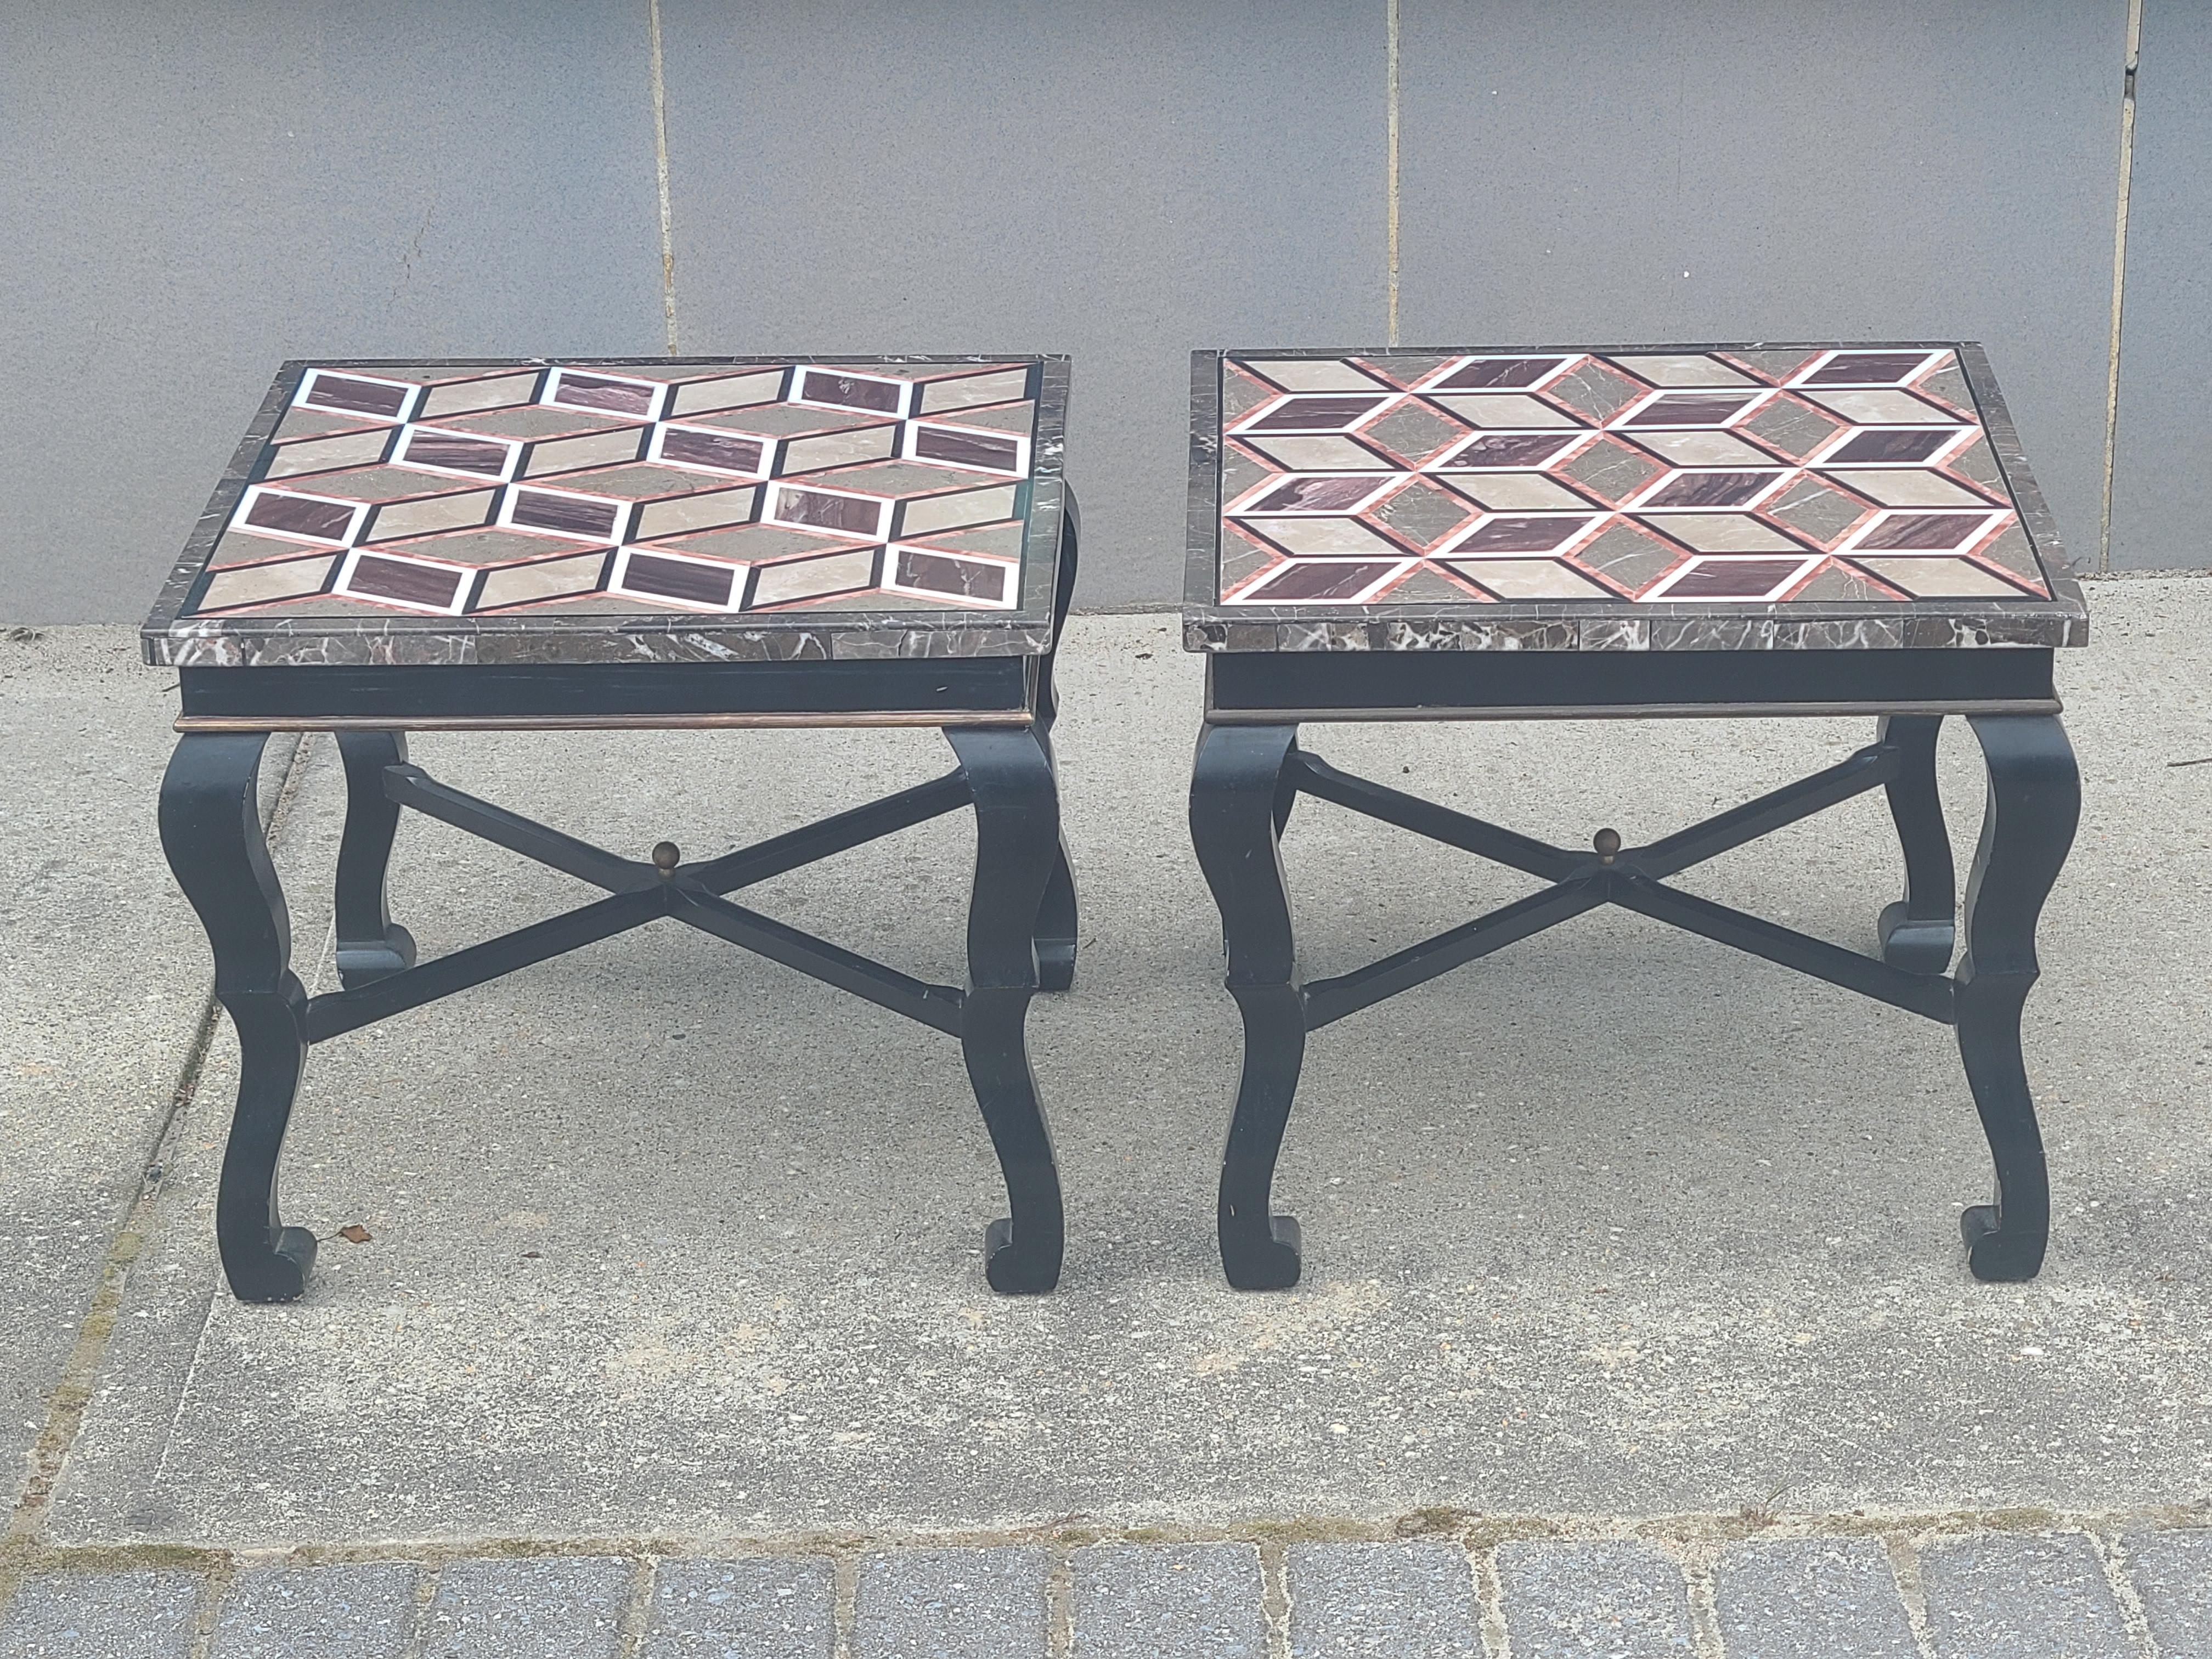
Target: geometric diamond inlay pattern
point(637, 489)
point(1759, 476)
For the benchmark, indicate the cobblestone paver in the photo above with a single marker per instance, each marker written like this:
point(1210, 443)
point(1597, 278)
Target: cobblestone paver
point(769, 1607)
point(1187, 1601)
point(2173, 1573)
point(2021, 1596)
point(1613, 1600)
point(1383, 1602)
point(924, 1604)
point(364, 1611)
point(561, 1608)
point(1987, 1594)
point(1810, 1598)
point(102, 1615)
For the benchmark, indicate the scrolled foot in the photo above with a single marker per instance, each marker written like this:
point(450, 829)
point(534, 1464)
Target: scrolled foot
point(1272, 1263)
point(1917, 945)
point(1997, 1253)
point(275, 1273)
point(1014, 1270)
point(363, 961)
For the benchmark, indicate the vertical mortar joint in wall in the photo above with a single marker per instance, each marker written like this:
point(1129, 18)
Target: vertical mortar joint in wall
point(2132, 61)
point(1390, 184)
point(660, 176)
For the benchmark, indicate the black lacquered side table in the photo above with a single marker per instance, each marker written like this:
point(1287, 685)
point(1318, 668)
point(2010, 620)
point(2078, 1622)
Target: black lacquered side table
point(1510, 533)
point(694, 542)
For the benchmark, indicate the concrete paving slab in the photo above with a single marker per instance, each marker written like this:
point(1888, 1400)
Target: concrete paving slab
point(1808, 1598)
point(357, 1610)
point(666, 1241)
point(2021, 1597)
point(103, 975)
point(1382, 1602)
point(102, 1615)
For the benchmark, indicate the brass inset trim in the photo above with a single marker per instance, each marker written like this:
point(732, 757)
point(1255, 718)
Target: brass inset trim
point(1668, 711)
point(1010, 717)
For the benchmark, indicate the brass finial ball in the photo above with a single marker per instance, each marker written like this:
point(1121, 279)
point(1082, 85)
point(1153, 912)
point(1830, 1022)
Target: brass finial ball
point(666, 855)
point(1607, 842)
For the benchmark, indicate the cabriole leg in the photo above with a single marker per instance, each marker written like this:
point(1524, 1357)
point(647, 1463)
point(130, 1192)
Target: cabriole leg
point(1235, 789)
point(371, 945)
point(1919, 931)
point(2028, 826)
point(211, 831)
point(1017, 843)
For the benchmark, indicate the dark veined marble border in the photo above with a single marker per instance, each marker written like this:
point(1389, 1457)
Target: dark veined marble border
point(169, 639)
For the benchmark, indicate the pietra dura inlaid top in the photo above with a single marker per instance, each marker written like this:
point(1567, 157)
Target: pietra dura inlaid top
point(692, 509)
point(1673, 497)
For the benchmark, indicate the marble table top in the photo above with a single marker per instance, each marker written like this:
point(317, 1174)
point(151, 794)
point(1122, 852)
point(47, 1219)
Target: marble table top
point(1669, 498)
point(660, 510)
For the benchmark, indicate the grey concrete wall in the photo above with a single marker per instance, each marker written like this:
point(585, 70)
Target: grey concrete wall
point(2163, 438)
point(193, 190)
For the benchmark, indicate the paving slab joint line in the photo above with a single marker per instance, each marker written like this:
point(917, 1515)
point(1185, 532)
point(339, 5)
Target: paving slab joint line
point(1695, 1545)
point(214, 1590)
point(1904, 1554)
point(1477, 1536)
point(73, 1392)
point(426, 1601)
point(660, 173)
point(1490, 1592)
point(2113, 1556)
point(1697, 1561)
point(637, 1610)
point(1275, 1595)
point(1060, 1604)
point(846, 1581)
